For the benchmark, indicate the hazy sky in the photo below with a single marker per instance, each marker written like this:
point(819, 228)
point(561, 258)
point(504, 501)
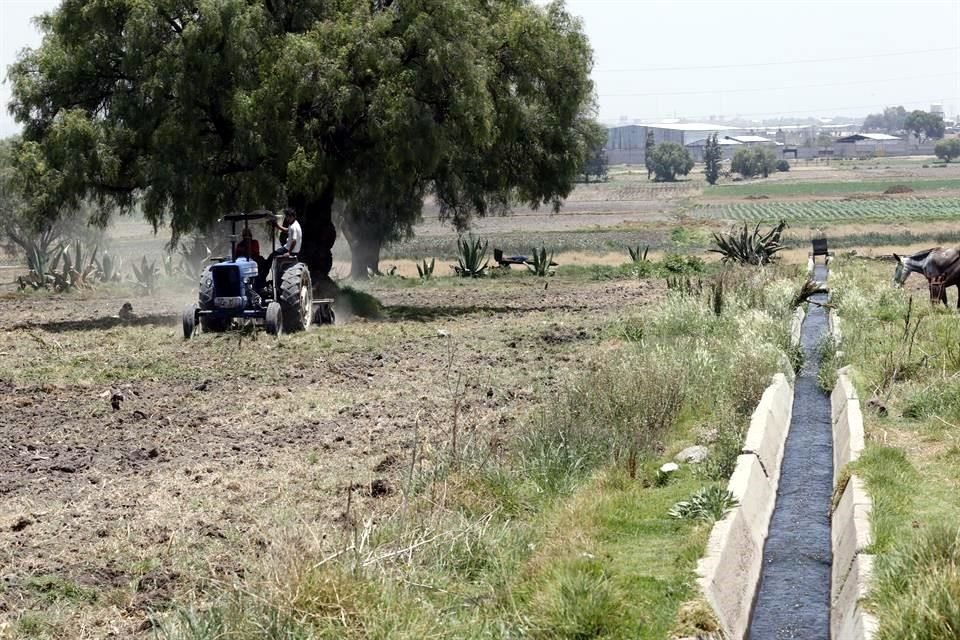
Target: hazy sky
point(690, 59)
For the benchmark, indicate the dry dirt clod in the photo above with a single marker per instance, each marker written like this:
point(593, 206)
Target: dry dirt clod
point(381, 488)
point(390, 461)
point(21, 524)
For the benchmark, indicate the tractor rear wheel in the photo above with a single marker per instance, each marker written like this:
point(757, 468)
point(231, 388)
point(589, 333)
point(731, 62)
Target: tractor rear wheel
point(273, 321)
point(189, 320)
point(296, 298)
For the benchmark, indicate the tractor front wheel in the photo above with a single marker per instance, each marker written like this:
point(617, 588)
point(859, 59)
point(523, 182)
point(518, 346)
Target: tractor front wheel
point(189, 320)
point(208, 323)
point(296, 298)
point(273, 321)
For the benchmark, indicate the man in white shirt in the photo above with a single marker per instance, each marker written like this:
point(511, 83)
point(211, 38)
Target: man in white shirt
point(293, 244)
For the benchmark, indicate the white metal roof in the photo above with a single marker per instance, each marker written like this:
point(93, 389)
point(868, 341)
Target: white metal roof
point(746, 139)
point(721, 141)
point(688, 126)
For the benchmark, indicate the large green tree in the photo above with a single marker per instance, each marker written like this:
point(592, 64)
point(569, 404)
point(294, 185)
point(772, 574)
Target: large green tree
point(193, 108)
point(25, 234)
point(669, 160)
point(924, 125)
point(947, 150)
point(754, 161)
point(890, 121)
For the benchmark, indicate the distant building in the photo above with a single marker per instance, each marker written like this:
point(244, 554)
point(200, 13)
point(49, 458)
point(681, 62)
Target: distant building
point(864, 144)
point(626, 144)
point(754, 140)
point(728, 147)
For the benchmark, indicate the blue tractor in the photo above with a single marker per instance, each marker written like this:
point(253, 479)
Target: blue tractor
point(232, 289)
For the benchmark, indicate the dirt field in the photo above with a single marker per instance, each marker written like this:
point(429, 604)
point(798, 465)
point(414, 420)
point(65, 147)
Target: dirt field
point(138, 471)
point(220, 447)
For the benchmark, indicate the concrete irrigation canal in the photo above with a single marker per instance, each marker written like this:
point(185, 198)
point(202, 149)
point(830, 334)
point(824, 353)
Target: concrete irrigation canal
point(793, 597)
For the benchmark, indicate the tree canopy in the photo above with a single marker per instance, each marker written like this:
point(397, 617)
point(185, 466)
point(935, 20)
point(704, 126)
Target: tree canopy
point(194, 109)
point(947, 150)
point(712, 158)
point(754, 161)
point(669, 160)
point(924, 125)
point(597, 164)
point(890, 121)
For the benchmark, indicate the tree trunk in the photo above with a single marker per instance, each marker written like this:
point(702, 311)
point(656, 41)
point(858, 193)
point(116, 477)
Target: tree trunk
point(364, 250)
point(319, 235)
point(364, 257)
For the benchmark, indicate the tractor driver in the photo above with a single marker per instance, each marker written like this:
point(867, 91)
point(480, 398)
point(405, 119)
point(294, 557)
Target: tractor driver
point(250, 249)
point(292, 246)
point(247, 247)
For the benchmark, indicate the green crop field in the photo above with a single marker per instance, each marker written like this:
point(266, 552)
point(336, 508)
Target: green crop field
point(798, 188)
point(893, 209)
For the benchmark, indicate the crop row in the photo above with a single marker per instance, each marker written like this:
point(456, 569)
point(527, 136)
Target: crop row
point(830, 210)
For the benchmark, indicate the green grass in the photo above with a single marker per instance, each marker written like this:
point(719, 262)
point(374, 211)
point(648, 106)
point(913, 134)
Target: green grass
point(811, 188)
point(827, 211)
point(910, 463)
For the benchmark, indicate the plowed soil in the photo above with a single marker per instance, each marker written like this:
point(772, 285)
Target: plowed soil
point(138, 470)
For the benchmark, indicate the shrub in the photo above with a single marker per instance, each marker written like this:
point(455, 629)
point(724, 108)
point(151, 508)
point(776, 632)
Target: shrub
point(783, 165)
point(947, 150)
point(681, 265)
point(706, 505)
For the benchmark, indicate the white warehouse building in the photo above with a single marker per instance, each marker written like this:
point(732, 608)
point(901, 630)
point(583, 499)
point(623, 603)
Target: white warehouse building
point(626, 144)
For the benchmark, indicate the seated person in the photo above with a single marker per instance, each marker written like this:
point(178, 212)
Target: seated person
point(247, 247)
point(250, 249)
point(292, 245)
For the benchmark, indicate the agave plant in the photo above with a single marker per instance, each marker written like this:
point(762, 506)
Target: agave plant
point(43, 272)
point(707, 504)
point(542, 262)
point(193, 257)
point(425, 269)
point(42, 264)
point(636, 255)
point(146, 276)
point(754, 248)
point(108, 268)
point(78, 272)
point(169, 268)
point(472, 261)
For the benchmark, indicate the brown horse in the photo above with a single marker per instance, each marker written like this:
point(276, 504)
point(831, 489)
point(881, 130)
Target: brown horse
point(941, 268)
